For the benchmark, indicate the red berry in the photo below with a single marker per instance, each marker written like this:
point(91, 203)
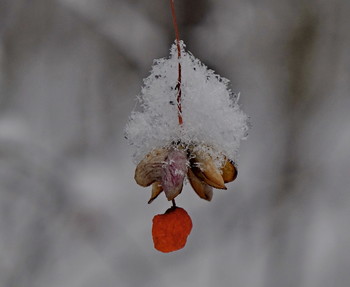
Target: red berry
point(171, 229)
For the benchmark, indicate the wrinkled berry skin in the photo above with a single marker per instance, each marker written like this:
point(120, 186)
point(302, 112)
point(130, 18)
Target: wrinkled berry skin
point(171, 229)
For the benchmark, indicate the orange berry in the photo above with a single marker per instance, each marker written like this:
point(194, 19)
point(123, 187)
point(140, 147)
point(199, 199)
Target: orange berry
point(171, 229)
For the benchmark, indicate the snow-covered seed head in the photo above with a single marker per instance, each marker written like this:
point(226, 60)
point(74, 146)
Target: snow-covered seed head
point(204, 146)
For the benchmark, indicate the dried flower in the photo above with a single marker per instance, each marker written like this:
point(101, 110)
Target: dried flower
point(166, 168)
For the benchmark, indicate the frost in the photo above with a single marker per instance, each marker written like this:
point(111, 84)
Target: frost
point(212, 119)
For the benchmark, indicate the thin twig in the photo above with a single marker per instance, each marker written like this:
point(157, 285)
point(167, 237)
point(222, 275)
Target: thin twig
point(178, 86)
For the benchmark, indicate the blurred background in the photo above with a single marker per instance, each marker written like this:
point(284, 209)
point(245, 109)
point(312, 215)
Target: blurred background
point(70, 212)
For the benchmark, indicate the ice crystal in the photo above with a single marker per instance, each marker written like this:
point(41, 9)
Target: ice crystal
point(212, 119)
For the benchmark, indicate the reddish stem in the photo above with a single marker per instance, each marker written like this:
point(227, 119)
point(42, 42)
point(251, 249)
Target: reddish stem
point(178, 86)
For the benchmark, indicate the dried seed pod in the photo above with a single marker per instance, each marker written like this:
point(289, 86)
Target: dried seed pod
point(174, 171)
point(229, 171)
point(198, 173)
point(205, 169)
point(156, 190)
point(149, 169)
point(173, 192)
point(202, 189)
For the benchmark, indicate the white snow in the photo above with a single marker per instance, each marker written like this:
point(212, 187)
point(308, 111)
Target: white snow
point(211, 115)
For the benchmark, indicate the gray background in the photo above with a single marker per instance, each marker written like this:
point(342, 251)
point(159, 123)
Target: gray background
point(70, 212)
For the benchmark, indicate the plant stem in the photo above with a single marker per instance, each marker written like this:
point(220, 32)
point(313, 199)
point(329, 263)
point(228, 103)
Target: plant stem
point(178, 86)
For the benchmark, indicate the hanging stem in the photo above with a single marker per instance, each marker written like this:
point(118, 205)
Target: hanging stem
point(178, 86)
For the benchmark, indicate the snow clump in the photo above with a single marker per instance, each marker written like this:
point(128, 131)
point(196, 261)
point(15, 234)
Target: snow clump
point(212, 118)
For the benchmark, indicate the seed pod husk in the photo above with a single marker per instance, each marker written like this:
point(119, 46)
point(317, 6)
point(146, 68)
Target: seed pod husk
point(156, 190)
point(174, 171)
point(149, 169)
point(229, 171)
point(202, 189)
point(205, 169)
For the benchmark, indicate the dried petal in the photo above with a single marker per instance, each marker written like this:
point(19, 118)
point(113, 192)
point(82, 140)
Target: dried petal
point(173, 173)
point(205, 169)
point(229, 171)
point(149, 169)
point(171, 229)
point(156, 190)
point(201, 188)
